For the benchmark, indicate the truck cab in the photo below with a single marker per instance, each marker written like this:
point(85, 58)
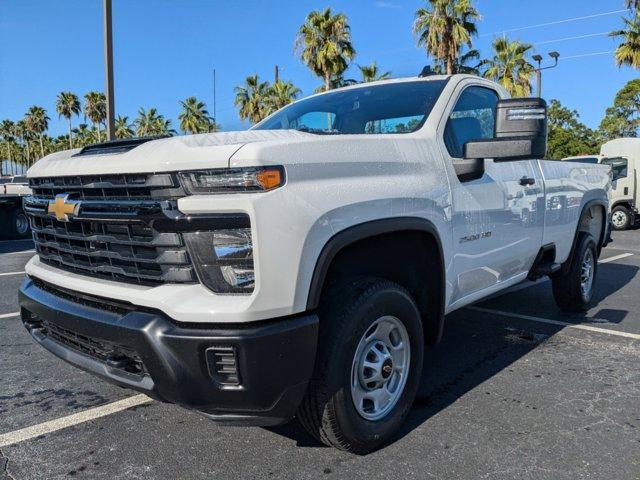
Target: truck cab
point(623, 155)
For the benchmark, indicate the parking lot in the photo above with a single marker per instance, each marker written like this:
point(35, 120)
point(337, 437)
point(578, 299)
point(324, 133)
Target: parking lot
point(515, 390)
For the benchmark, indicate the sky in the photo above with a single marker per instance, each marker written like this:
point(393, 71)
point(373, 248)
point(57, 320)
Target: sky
point(166, 50)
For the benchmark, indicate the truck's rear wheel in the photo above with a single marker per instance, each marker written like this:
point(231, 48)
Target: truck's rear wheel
point(368, 365)
point(18, 224)
point(621, 218)
point(573, 288)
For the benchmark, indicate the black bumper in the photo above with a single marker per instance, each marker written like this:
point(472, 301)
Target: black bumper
point(186, 365)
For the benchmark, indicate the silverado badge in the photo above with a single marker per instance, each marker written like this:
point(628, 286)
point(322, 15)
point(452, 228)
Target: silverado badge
point(63, 208)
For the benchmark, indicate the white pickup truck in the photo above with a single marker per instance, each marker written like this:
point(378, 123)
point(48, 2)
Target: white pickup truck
point(301, 267)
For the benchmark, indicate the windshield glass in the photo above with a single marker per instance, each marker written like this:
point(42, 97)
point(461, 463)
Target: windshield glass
point(583, 160)
point(388, 108)
point(618, 166)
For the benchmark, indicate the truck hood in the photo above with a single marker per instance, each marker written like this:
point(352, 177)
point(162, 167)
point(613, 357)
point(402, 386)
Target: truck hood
point(208, 150)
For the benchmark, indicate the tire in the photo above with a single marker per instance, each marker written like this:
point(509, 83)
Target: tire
point(18, 224)
point(621, 218)
point(352, 318)
point(568, 284)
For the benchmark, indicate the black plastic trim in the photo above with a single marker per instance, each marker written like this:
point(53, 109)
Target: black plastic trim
point(371, 229)
point(275, 357)
point(115, 146)
point(601, 242)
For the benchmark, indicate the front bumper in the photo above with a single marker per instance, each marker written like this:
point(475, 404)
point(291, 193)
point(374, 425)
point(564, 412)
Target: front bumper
point(144, 350)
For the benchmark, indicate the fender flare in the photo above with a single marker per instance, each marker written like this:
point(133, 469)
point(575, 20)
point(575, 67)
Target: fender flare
point(372, 228)
point(603, 235)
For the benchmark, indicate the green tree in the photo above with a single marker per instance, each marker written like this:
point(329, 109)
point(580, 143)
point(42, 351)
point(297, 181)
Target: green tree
point(195, 118)
point(324, 44)
point(68, 105)
point(628, 52)
point(95, 109)
point(279, 95)
point(370, 73)
point(151, 124)
point(24, 135)
point(510, 67)
point(622, 119)
point(8, 134)
point(85, 135)
point(123, 129)
point(567, 135)
point(37, 122)
point(444, 27)
point(251, 99)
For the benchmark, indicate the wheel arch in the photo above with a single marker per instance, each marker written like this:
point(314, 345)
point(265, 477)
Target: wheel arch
point(395, 227)
point(580, 227)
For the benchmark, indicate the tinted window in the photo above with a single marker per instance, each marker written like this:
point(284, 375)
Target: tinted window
point(387, 108)
point(473, 118)
point(583, 160)
point(19, 179)
point(618, 166)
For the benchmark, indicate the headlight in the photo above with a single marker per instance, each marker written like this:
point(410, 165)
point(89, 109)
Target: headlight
point(223, 259)
point(232, 180)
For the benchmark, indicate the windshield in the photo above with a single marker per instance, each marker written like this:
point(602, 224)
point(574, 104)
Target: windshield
point(388, 108)
point(618, 166)
point(583, 160)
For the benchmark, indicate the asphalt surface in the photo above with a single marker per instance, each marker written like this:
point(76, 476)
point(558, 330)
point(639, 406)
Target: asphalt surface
point(502, 397)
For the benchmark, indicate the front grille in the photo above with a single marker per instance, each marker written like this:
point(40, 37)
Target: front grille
point(113, 235)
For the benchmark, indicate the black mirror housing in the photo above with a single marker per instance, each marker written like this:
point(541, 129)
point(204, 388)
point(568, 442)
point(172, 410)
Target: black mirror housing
point(520, 132)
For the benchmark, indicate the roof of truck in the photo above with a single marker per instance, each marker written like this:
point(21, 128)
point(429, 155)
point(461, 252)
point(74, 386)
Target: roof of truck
point(622, 147)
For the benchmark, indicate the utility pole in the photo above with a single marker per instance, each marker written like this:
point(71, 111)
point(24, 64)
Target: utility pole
point(108, 66)
point(277, 75)
point(538, 59)
point(214, 95)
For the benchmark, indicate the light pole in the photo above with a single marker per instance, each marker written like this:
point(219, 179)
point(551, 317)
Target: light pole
point(108, 67)
point(538, 58)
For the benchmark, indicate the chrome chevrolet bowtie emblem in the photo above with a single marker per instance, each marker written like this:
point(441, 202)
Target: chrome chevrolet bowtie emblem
point(63, 208)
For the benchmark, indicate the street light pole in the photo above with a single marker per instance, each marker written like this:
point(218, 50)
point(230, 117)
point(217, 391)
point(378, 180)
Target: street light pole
point(538, 59)
point(108, 66)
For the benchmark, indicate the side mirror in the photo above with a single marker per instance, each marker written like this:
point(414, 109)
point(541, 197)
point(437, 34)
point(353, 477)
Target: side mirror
point(520, 132)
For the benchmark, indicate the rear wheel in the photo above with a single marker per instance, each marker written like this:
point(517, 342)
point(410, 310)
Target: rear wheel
point(621, 218)
point(18, 224)
point(368, 365)
point(573, 287)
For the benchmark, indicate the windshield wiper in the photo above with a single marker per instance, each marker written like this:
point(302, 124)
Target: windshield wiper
point(319, 131)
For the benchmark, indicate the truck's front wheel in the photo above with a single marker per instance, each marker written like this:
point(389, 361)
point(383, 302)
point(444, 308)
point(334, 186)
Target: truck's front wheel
point(621, 218)
point(368, 365)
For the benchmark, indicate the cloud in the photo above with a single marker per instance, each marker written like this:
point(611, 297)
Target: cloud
point(384, 4)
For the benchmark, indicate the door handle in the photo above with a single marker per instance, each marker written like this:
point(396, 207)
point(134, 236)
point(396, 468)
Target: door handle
point(524, 181)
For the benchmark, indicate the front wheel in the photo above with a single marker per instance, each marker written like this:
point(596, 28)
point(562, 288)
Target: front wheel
point(621, 218)
point(573, 287)
point(368, 366)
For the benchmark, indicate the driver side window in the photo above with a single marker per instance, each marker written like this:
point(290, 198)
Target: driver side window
point(473, 118)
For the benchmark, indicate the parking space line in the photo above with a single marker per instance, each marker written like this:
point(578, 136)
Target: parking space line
point(9, 315)
point(18, 253)
point(616, 257)
point(34, 431)
point(548, 321)
point(11, 273)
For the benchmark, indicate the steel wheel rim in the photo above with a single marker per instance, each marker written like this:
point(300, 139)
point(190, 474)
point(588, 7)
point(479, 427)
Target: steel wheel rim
point(586, 274)
point(22, 224)
point(380, 368)
point(618, 219)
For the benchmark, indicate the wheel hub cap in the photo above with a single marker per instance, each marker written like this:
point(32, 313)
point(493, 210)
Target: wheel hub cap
point(586, 274)
point(618, 219)
point(380, 368)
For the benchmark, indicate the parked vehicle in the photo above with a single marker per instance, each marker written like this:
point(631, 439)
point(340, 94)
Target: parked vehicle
point(300, 267)
point(13, 221)
point(623, 155)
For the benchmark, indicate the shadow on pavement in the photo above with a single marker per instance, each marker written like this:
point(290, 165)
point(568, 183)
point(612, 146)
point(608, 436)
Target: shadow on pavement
point(13, 246)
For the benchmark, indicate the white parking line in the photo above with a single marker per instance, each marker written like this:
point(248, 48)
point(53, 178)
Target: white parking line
point(11, 273)
point(616, 257)
point(9, 315)
point(548, 321)
point(18, 253)
point(34, 431)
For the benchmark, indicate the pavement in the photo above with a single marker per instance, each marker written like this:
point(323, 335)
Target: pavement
point(515, 390)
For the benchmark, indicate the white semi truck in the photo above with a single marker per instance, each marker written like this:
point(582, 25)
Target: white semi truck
point(301, 267)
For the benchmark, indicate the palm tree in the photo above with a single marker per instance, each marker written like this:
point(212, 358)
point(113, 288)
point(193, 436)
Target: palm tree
point(7, 132)
point(510, 67)
point(444, 27)
point(67, 105)
point(251, 99)
point(632, 4)
point(279, 95)
point(324, 43)
point(628, 52)
point(123, 129)
point(85, 135)
point(95, 109)
point(370, 73)
point(37, 122)
point(151, 124)
point(194, 117)
point(22, 132)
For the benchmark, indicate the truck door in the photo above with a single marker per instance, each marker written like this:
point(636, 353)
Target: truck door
point(497, 219)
